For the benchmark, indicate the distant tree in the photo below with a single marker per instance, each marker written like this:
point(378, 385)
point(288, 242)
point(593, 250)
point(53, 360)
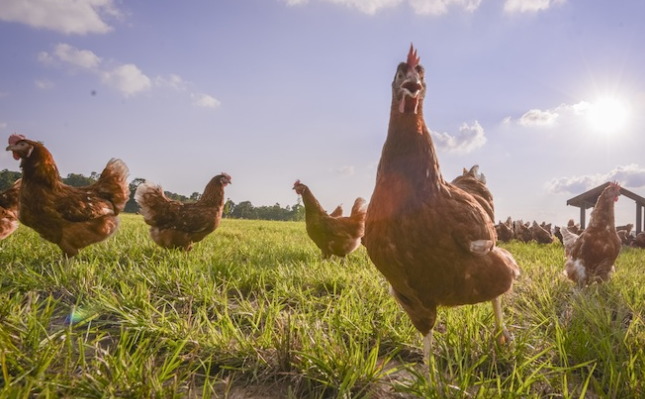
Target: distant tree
point(78, 180)
point(244, 210)
point(275, 212)
point(7, 178)
point(229, 206)
point(194, 197)
point(297, 211)
point(175, 196)
point(132, 206)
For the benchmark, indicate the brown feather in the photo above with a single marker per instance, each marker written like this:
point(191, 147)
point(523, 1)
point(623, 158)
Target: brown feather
point(70, 217)
point(174, 224)
point(591, 257)
point(9, 210)
point(433, 241)
point(338, 236)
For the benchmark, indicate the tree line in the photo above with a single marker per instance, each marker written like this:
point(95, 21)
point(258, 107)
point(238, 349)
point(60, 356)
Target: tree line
point(242, 210)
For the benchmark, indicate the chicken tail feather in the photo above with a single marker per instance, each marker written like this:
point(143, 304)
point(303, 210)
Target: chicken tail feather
point(359, 210)
point(149, 196)
point(112, 184)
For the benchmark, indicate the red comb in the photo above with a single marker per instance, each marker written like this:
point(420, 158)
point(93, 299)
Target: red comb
point(14, 138)
point(615, 184)
point(413, 58)
point(297, 183)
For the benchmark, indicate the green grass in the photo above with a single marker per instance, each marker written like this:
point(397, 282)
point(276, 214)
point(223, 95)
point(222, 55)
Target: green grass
point(253, 312)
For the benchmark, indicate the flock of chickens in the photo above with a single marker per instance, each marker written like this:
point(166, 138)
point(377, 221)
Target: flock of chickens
point(433, 240)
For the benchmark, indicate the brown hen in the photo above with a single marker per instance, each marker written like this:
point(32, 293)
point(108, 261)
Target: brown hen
point(9, 210)
point(474, 183)
point(70, 217)
point(334, 235)
point(591, 257)
point(174, 224)
point(337, 212)
point(433, 241)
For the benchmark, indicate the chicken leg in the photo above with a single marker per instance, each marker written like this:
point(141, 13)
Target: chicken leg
point(501, 332)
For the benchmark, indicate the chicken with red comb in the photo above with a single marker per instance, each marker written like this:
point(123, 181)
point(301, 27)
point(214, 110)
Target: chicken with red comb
point(13, 139)
point(434, 242)
point(70, 217)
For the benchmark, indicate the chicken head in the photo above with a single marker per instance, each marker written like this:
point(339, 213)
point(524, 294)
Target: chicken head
point(409, 87)
point(19, 146)
point(299, 187)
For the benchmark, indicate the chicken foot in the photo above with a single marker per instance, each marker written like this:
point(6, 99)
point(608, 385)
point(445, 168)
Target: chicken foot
point(501, 332)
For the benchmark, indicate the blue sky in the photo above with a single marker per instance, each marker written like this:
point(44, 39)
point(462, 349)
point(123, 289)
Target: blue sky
point(547, 96)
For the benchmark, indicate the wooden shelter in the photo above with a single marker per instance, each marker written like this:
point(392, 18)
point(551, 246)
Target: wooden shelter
point(588, 200)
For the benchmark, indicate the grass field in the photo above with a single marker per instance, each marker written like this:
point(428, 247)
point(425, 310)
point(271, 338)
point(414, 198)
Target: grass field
point(253, 312)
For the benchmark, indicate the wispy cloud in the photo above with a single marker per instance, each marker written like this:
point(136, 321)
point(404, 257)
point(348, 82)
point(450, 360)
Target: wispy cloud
point(70, 17)
point(43, 84)
point(469, 138)
point(422, 7)
point(172, 81)
point(550, 117)
point(205, 101)
point(536, 117)
point(347, 170)
point(440, 7)
point(529, 6)
point(3, 125)
point(73, 56)
point(630, 175)
point(128, 78)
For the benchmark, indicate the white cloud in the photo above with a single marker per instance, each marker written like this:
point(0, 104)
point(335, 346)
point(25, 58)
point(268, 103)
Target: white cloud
point(46, 58)
point(43, 84)
point(423, 7)
point(128, 79)
point(536, 117)
point(173, 81)
point(367, 6)
point(206, 101)
point(439, 7)
point(66, 16)
point(296, 2)
point(73, 56)
point(550, 117)
point(347, 170)
point(468, 139)
point(527, 6)
point(3, 125)
point(631, 175)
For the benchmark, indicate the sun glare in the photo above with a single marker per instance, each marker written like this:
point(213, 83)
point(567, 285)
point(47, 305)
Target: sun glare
point(607, 115)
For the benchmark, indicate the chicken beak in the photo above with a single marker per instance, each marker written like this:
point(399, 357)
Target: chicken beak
point(411, 87)
point(14, 153)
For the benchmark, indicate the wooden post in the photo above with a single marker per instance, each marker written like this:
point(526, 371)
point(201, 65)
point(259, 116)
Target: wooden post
point(639, 218)
point(582, 217)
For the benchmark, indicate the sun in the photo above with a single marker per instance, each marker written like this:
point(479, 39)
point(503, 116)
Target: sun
point(607, 115)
